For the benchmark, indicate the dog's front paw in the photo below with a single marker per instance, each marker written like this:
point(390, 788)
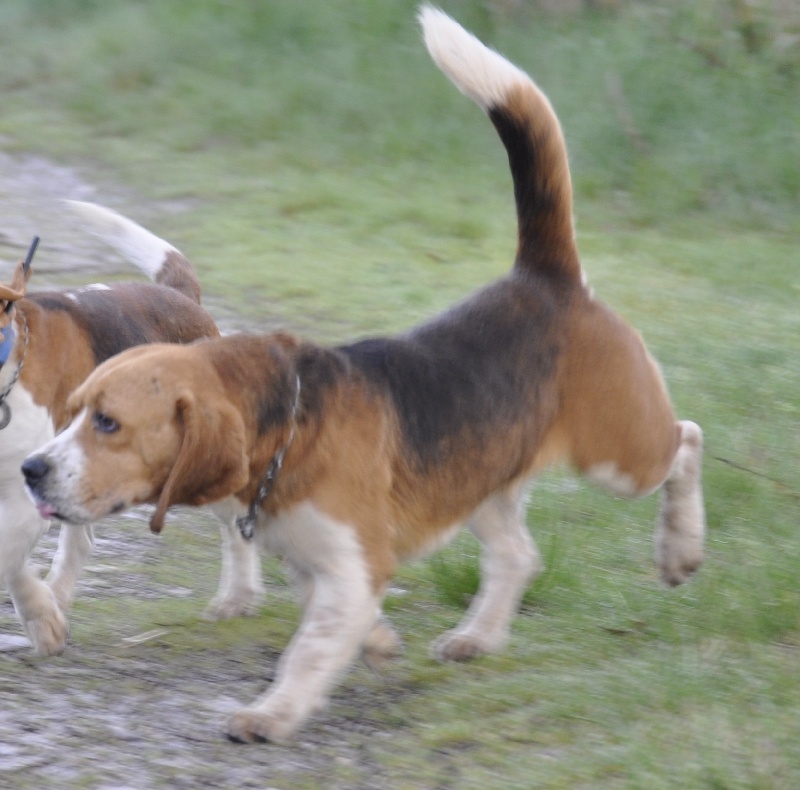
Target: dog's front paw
point(250, 725)
point(48, 632)
point(455, 646)
point(381, 646)
point(240, 604)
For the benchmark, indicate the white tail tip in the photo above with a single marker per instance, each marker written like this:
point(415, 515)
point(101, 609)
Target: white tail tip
point(477, 71)
point(132, 241)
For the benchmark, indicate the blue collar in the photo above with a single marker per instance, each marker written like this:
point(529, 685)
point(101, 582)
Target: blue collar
point(7, 346)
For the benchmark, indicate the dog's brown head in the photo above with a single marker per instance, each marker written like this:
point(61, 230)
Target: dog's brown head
point(149, 425)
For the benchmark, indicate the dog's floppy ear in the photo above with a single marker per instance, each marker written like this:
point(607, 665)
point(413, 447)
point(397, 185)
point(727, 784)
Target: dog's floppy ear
point(211, 462)
point(16, 289)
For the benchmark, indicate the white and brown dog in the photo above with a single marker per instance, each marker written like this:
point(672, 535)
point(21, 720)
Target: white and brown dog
point(54, 340)
point(349, 460)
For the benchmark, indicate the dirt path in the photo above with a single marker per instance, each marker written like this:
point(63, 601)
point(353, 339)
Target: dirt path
point(114, 712)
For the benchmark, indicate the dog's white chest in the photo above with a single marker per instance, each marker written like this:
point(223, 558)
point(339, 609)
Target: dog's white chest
point(29, 427)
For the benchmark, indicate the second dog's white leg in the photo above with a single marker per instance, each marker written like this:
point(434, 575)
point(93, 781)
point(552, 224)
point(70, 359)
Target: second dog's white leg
point(35, 605)
point(38, 611)
point(75, 544)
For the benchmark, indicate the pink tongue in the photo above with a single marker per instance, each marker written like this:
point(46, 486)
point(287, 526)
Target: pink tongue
point(45, 511)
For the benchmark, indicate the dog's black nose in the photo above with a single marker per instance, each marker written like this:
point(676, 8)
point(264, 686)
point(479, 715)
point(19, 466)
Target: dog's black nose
point(35, 470)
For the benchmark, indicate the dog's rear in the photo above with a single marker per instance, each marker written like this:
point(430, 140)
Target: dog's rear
point(156, 257)
point(615, 421)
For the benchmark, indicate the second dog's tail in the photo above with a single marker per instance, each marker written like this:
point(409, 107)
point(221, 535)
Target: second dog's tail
point(531, 135)
point(157, 258)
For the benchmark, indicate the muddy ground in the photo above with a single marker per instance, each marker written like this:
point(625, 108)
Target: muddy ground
point(139, 709)
point(137, 704)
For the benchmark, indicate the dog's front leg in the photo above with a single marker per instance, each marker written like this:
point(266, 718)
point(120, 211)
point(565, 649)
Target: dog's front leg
point(75, 544)
point(38, 611)
point(34, 602)
point(340, 609)
point(339, 615)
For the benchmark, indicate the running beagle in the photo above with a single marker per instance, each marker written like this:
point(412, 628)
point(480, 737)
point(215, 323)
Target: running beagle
point(348, 460)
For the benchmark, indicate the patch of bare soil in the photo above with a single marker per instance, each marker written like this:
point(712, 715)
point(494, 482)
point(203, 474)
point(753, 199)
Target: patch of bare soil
point(135, 712)
point(142, 714)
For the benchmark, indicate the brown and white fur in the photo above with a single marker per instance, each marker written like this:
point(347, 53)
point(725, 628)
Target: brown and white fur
point(60, 336)
point(391, 443)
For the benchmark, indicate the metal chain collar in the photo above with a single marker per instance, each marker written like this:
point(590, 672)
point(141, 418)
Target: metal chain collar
point(5, 409)
point(247, 523)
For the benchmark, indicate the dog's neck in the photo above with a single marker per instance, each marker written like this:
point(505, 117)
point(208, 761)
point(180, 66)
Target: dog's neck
point(247, 522)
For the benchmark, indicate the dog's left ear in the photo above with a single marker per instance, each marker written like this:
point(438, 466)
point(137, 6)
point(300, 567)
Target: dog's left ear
point(15, 290)
point(211, 462)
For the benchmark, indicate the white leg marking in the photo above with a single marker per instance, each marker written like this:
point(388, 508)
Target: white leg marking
point(75, 544)
point(21, 527)
point(609, 477)
point(241, 588)
point(34, 603)
point(681, 528)
point(508, 562)
point(339, 615)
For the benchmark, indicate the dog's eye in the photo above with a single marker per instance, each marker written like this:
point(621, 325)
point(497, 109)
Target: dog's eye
point(103, 423)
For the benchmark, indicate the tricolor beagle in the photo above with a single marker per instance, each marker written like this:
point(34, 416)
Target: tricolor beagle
point(54, 340)
point(351, 459)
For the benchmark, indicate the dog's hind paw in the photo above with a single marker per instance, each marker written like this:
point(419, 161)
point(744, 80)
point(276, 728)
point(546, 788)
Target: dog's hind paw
point(678, 562)
point(455, 646)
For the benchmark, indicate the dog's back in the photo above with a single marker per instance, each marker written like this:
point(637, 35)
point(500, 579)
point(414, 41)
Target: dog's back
point(70, 332)
point(475, 390)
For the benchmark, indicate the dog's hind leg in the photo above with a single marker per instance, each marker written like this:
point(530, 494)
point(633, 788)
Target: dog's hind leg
point(509, 561)
point(75, 544)
point(680, 532)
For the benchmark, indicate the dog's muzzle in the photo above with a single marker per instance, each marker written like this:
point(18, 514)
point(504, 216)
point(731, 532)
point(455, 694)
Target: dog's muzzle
point(36, 470)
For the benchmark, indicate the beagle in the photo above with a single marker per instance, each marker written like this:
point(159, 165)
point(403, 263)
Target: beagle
point(52, 341)
point(347, 460)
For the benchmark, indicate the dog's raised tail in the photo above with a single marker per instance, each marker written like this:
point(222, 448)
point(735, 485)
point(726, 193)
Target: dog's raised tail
point(157, 258)
point(531, 134)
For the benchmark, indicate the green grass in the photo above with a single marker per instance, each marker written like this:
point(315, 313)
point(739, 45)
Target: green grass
point(322, 175)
